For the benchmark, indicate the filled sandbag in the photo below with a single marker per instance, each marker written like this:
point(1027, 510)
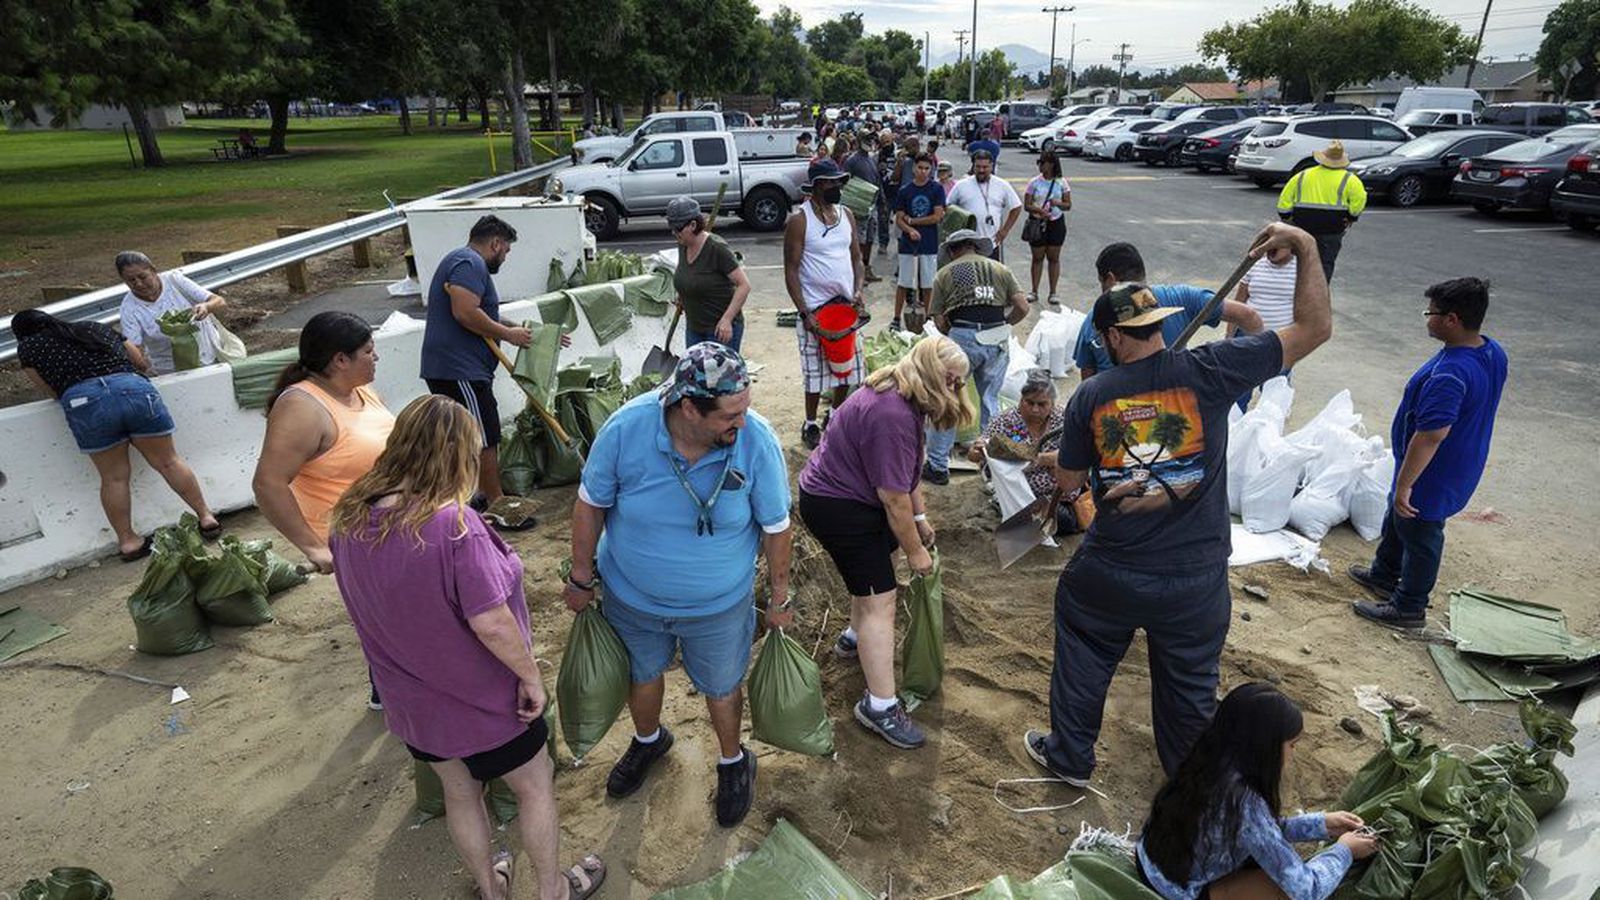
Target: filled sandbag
point(1322, 504)
point(166, 620)
point(786, 705)
point(502, 801)
point(1265, 497)
point(1053, 338)
point(234, 590)
point(592, 685)
point(1369, 495)
point(277, 573)
point(922, 654)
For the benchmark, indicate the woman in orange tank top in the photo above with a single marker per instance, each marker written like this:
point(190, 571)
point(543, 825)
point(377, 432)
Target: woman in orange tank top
point(325, 428)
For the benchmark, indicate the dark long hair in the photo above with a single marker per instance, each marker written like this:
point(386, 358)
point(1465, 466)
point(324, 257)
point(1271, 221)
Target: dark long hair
point(1241, 751)
point(30, 322)
point(325, 335)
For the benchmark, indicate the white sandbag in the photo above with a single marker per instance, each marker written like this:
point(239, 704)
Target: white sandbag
point(1265, 496)
point(1324, 502)
point(1244, 450)
point(1369, 496)
point(1010, 482)
point(1053, 338)
point(1018, 362)
point(1338, 415)
point(1277, 396)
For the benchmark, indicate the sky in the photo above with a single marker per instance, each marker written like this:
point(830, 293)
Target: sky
point(1162, 33)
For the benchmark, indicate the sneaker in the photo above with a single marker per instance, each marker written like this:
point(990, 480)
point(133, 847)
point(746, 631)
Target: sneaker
point(895, 325)
point(871, 277)
point(893, 725)
point(845, 648)
point(736, 787)
point(935, 476)
point(1362, 575)
point(1032, 298)
point(1033, 743)
point(374, 702)
point(1389, 616)
point(628, 774)
point(1055, 302)
point(811, 435)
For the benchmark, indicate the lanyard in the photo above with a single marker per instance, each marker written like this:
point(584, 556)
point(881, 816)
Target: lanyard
point(703, 523)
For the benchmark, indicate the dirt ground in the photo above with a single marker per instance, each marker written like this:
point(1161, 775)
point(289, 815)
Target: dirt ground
point(274, 781)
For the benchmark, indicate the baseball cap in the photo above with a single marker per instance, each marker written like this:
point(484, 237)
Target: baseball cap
point(681, 211)
point(707, 369)
point(984, 246)
point(1129, 305)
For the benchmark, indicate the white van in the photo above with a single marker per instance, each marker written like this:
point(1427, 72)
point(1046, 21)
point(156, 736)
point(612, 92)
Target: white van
point(1412, 98)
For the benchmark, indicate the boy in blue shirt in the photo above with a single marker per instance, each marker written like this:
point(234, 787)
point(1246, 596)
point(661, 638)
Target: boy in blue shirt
point(917, 211)
point(1441, 442)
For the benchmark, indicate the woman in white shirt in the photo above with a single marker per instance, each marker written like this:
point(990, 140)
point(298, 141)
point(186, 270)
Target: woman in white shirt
point(150, 294)
point(1046, 200)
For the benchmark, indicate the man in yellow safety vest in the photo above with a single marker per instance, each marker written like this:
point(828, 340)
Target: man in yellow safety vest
point(1324, 200)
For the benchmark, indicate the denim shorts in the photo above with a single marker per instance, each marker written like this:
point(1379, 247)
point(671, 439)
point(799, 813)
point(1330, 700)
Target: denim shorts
point(716, 648)
point(105, 412)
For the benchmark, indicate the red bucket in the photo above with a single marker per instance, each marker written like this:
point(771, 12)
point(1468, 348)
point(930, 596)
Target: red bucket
point(841, 353)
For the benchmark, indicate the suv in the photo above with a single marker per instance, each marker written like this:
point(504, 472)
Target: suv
point(1280, 147)
point(1532, 119)
point(1577, 197)
point(1022, 116)
point(1216, 115)
point(1425, 121)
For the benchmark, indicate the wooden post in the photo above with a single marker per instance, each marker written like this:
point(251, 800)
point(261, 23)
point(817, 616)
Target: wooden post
point(405, 230)
point(361, 249)
point(296, 272)
point(194, 256)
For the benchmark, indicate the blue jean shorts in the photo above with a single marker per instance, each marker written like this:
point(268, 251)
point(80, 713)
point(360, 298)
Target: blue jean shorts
point(716, 648)
point(105, 412)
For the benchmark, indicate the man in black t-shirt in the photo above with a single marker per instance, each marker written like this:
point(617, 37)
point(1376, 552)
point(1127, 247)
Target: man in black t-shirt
point(1149, 438)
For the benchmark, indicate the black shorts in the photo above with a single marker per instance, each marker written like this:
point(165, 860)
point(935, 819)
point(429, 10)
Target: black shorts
point(858, 538)
point(478, 398)
point(1055, 234)
point(510, 756)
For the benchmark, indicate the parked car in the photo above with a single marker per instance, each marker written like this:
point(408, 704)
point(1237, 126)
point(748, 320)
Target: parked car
point(1115, 141)
point(1327, 109)
point(1164, 143)
point(1125, 112)
point(1520, 175)
point(1082, 109)
point(1046, 139)
point(1071, 140)
point(1576, 197)
point(1423, 169)
point(1215, 149)
point(1531, 119)
point(1279, 147)
point(1166, 112)
point(1439, 98)
point(1022, 116)
point(608, 147)
point(762, 184)
point(1425, 121)
point(1592, 107)
point(1216, 114)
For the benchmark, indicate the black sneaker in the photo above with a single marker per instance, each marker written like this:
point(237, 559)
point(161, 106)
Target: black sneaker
point(1033, 743)
point(894, 325)
point(628, 774)
point(1390, 616)
point(935, 476)
point(736, 787)
point(1362, 575)
point(811, 435)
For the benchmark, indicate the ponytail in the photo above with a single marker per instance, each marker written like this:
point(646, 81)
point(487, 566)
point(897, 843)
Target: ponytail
point(292, 374)
point(325, 335)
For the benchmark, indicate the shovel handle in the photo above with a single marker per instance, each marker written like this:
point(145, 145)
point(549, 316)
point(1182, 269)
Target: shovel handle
point(1214, 303)
point(672, 327)
point(550, 421)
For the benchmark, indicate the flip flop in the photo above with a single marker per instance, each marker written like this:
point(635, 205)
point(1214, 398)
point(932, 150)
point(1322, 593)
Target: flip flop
point(584, 878)
point(136, 555)
point(211, 532)
point(510, 514)
point(502, 866)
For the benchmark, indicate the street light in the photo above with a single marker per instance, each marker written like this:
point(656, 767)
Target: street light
point(1055, 11)
point(1072, 56)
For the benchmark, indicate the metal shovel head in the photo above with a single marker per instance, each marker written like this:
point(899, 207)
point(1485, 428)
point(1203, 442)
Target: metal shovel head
point(1018, 534)
point(661, 361)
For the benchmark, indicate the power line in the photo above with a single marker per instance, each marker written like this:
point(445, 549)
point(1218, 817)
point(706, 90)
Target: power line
point(1122, 57)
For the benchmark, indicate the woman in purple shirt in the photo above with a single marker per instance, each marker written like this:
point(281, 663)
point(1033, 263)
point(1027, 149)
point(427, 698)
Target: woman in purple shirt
point(436, 598)
point(861, 496)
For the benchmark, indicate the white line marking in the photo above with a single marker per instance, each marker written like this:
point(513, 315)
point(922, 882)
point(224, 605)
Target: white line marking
point(1414, 212)
point(1512, 230)
point(1234, 187)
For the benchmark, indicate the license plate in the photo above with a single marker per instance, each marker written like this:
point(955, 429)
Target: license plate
point(1251, 145)
point(1483, 175)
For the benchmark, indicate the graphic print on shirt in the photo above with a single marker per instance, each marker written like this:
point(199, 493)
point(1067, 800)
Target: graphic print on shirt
point(1152, 451)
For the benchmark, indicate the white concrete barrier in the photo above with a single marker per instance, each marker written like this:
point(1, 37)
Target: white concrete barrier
point(548, 228)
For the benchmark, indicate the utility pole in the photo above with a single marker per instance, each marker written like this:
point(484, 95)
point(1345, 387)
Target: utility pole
point(972, 59)
point(961, 44)
point(1072, 60)
point(1122, 57)
point(925, 61)
point(1055, 11)
point(1477, 46)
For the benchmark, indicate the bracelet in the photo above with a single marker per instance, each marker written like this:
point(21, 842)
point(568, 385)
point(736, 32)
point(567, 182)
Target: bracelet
point(584, 585)
point(920, 517)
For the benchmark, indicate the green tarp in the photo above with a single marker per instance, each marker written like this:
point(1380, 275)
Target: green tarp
point(255, 376)
point(1511, 629)
point(1466, 683)
point(651, 294)
point(785, 867)
point(22, 630)
point(557, 308)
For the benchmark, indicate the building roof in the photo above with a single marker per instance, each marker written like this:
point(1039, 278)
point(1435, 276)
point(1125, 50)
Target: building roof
point(1487, 77)
point(1213, 90)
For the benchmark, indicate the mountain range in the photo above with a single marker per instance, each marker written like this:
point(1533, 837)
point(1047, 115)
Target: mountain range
point(1026, 59)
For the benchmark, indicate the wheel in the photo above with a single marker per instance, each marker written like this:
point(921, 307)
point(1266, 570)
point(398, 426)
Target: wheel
point(1048, 146)
point(1582, 223)
point(1148, 161)
point(601, 216)
point(1202, 168)
point(1408, 191)
point(1123, 153)
point(765, 209)
point(1485, 207)
point(1262, 181)
point(1171, 158)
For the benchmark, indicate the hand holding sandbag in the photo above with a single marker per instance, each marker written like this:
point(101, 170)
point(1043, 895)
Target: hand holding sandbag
point(786, 705)
point(592, 686)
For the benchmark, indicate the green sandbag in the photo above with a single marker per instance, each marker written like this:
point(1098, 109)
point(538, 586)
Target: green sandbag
point(858, 196)
point(532, 457)
point(277, 573)
point(234, 591)
point(1430, 796)
point(1054, 883)
point(786, 705)
point(1548, 729)
point(185, 540)
point(1403, 751)
point(605, 308)
point(1098, 875)
point(884, 349)
point(922, 655)
point(66, 883)
point(430, 795)
point(256, 375)
point(650, 294)
point(557, 279)
point(179, 327)
point(592, 685)
point(612, 265)
point(955, 219)
point(519, 474)
point(534, 369)
point(1392, 869)
point(1467, 870)
point(557, 308)
point(166, 620)
point(785, 867)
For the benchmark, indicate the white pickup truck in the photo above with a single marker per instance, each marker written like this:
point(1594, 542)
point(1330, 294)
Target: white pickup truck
point(606, 147)
point(759, 166)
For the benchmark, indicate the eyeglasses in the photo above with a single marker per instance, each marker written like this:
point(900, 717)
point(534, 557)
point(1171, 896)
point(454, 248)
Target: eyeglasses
point(1428, 314)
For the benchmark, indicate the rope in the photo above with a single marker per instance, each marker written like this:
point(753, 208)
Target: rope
point(80, 667)
point(1035, 809)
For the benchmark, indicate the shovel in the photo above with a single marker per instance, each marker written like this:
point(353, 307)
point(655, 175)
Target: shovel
point(661, 360)
point(550, 421)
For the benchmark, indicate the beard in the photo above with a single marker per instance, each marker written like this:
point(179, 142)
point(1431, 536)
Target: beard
point(727, 438)
point(494, 265)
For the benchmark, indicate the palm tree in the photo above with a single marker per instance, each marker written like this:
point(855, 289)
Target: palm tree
point(1114, 434)
point(1168, 430)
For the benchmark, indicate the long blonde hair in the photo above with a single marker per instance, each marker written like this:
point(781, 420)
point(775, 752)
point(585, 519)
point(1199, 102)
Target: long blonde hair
point(919, 376)
point(431, 460)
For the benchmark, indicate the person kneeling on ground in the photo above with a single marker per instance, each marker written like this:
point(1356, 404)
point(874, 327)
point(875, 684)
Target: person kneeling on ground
point(436, 598)
point(1034, 424)
point(861, 496)
point(94, 374)
point(687, 486)
point(1216, 828)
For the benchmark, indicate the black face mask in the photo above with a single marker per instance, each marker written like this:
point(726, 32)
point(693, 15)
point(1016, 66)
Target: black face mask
point(832, 195)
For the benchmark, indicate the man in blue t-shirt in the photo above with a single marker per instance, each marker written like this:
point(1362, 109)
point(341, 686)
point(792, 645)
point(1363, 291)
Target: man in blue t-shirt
point(1121, 263)
point(917, 211)
point(463, 309)
point(1441, 441)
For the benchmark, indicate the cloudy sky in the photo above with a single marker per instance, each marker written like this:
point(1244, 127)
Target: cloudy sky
point(1162, 33)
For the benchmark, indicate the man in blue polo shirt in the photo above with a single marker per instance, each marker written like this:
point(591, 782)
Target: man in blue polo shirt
point(681, 491)
point(1121, 263)
point(1441, 438)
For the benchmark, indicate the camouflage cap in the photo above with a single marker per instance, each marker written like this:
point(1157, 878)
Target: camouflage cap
point(708, 369)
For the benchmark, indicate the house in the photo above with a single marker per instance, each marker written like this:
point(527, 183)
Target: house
point(98, 117)
point(1497, 82)
point(1220, 92)
point(1107, 96)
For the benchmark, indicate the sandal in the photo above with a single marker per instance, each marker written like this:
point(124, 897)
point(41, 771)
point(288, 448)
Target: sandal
point(502, 867)
point(209, 533)
point(136, 555)
point(510, 514)
point(585, 878)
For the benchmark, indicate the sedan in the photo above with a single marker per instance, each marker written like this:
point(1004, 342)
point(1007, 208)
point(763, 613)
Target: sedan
point(1215, 149)
point(1164, 143)
point(1044, 139)
point(1422, 169)
point(1577, 196)
point(1116, 141)
point(1521, 175)
point(1072, 139)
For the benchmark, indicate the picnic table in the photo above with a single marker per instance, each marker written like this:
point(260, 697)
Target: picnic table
point(233, 148)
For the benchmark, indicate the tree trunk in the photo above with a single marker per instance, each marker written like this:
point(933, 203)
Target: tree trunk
point(433, 110)
point(461, 109)
point(278, 131)
point(148, 147)
point(483, 109)
point(555, 87)
point(591, 106)
point(405, 115)
point(616, 116)
point(521, 140)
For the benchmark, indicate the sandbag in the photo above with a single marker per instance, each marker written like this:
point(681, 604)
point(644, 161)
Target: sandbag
point(1053, 338)
point(1369, 493)
point(1403, 750)
point(234, 590)
point(531, 457)
point(166, 620)
point(650, 294)
point(858, 195)
point(255, 376)
point(66, 883)
point(1322, 504)
point(1278, 396)
point(592, 685)
point(430, 795)
point(1054, 883)
point(884, 349)
point(922, 654)
point(1098, 875)
point(534, 369)
point(277, 573)
point(1265, 496)
point(786, 705)
point(181, 329)
point(605, 308)
point(557, 277)
point(1018, 363)
point(1244, 452)
point(966, 434)
point(1393, 868)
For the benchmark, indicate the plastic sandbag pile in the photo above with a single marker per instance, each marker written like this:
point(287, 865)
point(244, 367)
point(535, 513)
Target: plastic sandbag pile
point(1311, 479)
point(1454, 826)
point(1053, 338)
point(582, 396)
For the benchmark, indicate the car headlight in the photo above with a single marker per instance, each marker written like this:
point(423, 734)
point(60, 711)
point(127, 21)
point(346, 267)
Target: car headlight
point(555, 187)
point(1380, 170)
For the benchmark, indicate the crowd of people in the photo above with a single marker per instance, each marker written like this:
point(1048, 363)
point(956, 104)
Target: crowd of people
point(686, 488)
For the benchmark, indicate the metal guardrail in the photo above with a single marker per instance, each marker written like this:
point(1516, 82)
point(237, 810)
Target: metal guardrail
point(219, 271)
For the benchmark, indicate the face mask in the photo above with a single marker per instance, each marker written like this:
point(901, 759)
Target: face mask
point(832, 195)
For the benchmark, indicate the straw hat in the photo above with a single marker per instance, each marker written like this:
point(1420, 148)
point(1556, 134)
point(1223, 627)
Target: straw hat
point(1333, 157)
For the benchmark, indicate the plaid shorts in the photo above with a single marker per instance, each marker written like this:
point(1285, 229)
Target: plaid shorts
point(819, 378)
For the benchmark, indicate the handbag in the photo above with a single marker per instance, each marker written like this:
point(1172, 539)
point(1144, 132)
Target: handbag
point(1033, 230)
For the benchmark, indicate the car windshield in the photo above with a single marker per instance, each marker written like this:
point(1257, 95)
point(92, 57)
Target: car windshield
point(1268, 129)
point(1428, 146)
point(1575, 133)
point(629, 154)
point(1419, 117)
point(1530, 150)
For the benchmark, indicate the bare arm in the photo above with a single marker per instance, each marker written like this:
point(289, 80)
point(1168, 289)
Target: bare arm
point(1071, 481)
point(932, 218)
point(465, 309)
point(1011, 219)
point(779, 550)
point(899, 508)
point(587, 523)
point(206, 307)
point(1241, 316)
point(497, 630)
point(858, 276)
point(1313, 313)
point(1424, 444)
point(741, 292)
point(1019, 308)
point(298, 430)
point(137, 356)
point(794, 246)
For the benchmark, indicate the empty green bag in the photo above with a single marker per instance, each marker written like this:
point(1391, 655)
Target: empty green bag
point(786, 706)
point(922, 655)
point(592, 686)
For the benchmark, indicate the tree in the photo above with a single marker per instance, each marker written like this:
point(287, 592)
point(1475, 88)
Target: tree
point(1315, 48)
point(888, 59)
point(838, 83)
point(832, 40)
point(1097, 76)
point(785, 64)
point(994, 73)
point(1168, 432)
point(1569, 55)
